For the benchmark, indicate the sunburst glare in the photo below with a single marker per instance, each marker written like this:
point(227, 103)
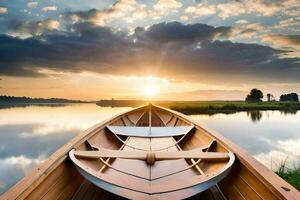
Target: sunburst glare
point(150, 90)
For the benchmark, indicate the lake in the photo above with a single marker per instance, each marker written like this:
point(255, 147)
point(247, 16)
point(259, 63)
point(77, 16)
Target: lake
point(29, 134)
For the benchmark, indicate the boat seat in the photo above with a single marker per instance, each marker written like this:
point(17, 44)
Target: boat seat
point(150, 157)
point(142, 131)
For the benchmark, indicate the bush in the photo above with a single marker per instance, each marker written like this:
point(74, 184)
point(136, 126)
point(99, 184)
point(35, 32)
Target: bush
point(289, 97)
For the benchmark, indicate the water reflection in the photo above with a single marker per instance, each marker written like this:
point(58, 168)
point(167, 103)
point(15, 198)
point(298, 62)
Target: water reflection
point(270, 136)
point(289, 112)
point(28, 135)
point(255, 115)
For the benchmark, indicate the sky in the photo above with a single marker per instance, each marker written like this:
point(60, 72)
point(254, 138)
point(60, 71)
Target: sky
point(138, 49)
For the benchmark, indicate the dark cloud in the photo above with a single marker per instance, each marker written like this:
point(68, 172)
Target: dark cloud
point(175, 32)
point(169, 49)
point(178, 32)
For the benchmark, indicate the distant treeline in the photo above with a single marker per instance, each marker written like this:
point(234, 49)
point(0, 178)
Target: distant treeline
point(257, 95)
point(232, 107)
point(289, 97)
point(208, 107)
point(28, 100)
point(132, 103)
point(120, 103)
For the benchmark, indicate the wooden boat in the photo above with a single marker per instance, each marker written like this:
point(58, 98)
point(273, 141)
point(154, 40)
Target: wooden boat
point(151, 153)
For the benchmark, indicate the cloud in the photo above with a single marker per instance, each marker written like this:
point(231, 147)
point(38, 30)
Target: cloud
point(291, 42)
point(3, 10)
point(139, 13)
point(291, 8)
point(260, 7)
point(184, 18)
point(49, 8)
point(201, 10)
point(166, 6)
point(290, 24)
point(284, 39)
point(242, 21)
point(99, 17)
point(245, 30)
point(27, 28)
point(235, 8)
point(171, 49)
point(32, 4)
point(19, 166)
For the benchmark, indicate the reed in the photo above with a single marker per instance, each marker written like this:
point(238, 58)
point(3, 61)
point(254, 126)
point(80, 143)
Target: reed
point(292, 176)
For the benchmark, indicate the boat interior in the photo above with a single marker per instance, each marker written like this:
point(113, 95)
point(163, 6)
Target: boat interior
point(174, 171)
point(126, 164)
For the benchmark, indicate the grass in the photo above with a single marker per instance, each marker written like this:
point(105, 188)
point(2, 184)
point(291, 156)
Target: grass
point(212, 107)
point(290, 176)
point(209, 107)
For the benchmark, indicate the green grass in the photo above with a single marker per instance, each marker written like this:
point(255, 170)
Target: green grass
point(212, 107)
point(290, 176)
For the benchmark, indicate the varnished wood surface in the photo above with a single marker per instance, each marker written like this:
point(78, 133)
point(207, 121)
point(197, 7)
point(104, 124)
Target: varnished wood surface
point(180, 180)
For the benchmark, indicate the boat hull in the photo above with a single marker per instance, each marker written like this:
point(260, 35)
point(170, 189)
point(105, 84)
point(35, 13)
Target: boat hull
point(57, 177)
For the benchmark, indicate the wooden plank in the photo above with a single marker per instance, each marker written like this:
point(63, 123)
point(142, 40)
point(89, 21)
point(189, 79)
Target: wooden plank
point(254, 182)
point(81, 191)
point(137, 167)
point(215, 193)
point(248, 185)
point(136, 116)
point(164, 116)
point(155, 119)
point(163, 168)
point(127, 121)
point(56, 183)
point(230, 190)
point(172, 122)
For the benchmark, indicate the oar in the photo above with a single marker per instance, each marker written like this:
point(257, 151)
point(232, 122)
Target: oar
point(150, 157)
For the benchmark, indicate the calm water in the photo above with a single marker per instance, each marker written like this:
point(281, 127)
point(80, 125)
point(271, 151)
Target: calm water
point(28, 135)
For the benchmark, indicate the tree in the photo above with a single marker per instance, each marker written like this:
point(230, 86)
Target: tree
point(270, 97)
point(289, 97)
point(255, 96)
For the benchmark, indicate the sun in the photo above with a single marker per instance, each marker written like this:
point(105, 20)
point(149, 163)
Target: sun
point(149, 90)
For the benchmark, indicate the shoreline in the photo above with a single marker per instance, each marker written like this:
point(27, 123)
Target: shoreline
point(233, 107)
point(209, 107)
